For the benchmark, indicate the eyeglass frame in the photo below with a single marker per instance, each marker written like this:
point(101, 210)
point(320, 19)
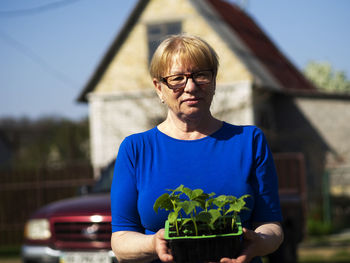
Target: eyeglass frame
point(187, 75)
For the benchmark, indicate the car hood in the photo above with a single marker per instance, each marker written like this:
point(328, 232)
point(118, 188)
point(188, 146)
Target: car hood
point(82, 205)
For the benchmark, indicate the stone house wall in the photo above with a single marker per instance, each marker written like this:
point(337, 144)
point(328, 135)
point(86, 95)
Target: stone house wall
point(331, 119)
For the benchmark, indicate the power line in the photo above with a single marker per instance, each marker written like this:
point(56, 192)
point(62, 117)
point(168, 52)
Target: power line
point(37, 59)
point(36, 10)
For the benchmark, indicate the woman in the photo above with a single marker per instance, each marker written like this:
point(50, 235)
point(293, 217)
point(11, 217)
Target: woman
point(193, 148)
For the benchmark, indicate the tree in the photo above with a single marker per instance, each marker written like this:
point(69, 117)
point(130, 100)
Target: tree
point(326, 78)
point(46, 142)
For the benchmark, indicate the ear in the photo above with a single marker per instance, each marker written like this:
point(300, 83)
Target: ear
point(157, 84)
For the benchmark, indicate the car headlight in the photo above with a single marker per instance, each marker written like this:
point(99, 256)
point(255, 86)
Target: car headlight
point(37, 229)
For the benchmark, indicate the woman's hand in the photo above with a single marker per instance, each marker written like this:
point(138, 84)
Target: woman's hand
point(161, 248)
point(253, 243)
point(264, 240)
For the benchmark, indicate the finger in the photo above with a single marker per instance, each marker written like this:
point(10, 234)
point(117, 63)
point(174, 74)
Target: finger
point(248, 234)
point(227, 260)
point(162, 248)
point(166, 257)
point(240, 259)
point(164, 254)
point(245, 254)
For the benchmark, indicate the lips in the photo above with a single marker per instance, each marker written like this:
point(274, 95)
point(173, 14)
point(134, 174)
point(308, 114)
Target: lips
point(191, 100)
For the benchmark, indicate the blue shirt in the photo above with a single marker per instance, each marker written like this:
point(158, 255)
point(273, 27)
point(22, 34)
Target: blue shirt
point(235, 160)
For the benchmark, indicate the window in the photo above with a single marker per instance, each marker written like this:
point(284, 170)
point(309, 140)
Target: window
point(157, 32)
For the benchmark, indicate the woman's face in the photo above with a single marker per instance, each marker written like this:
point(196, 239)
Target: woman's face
point(190, 101)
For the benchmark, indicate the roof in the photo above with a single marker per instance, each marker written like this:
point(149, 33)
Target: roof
point(242, 34)
point(262, 47)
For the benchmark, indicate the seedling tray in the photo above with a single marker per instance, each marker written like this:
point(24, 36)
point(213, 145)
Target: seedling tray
point(195, 249)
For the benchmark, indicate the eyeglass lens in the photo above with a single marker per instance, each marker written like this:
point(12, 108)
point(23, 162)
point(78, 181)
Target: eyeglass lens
point(180, 80)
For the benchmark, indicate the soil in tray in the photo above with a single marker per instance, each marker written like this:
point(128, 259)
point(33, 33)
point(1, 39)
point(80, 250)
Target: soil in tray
point(204, 231)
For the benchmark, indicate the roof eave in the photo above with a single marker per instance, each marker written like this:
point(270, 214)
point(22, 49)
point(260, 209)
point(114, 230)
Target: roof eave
point(112, 50)
point(316, 94)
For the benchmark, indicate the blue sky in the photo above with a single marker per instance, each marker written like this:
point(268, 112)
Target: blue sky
point(47, 55)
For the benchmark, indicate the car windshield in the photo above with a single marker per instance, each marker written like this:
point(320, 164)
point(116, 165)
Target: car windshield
point(103, 184)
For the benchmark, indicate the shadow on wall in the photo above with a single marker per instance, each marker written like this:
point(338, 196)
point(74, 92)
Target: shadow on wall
point(288, 130)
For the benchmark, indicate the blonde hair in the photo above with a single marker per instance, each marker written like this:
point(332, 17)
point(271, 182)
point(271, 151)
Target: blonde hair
point(192, 50)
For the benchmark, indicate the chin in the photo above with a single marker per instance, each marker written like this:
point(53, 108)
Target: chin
point(193, 113)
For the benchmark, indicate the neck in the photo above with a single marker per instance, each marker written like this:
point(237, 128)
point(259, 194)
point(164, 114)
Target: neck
point(189, 128)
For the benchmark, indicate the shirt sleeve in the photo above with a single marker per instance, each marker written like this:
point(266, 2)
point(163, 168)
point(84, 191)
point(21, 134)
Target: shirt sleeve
point(124, 194)
point(265, 182)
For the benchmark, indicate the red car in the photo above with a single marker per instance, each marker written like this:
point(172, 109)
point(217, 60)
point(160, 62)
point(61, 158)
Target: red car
point(75, 230)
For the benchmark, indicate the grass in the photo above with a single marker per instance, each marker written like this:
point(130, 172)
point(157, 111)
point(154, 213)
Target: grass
point(325, 249)
point(9, 251)
point(339, 256)
point(10, 254)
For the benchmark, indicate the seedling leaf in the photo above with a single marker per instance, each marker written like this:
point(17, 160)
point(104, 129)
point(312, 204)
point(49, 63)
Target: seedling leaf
point(163, 202)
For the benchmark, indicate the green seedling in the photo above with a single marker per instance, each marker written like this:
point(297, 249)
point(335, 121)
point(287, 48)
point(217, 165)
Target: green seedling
point(204, 212)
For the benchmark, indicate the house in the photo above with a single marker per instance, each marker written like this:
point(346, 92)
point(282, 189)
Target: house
point(256, 84)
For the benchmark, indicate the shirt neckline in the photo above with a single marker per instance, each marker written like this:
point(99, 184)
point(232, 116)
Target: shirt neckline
point(189, 141)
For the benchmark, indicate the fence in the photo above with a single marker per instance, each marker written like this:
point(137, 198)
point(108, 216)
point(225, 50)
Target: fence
point(22, 192)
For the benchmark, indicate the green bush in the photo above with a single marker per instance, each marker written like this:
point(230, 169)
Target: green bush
point(9, 251)
point(319, 228)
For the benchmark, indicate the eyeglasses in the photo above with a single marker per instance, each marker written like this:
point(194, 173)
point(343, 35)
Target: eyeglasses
point(179, 81)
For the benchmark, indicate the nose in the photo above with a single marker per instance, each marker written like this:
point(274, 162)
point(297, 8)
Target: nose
point(190, 85)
